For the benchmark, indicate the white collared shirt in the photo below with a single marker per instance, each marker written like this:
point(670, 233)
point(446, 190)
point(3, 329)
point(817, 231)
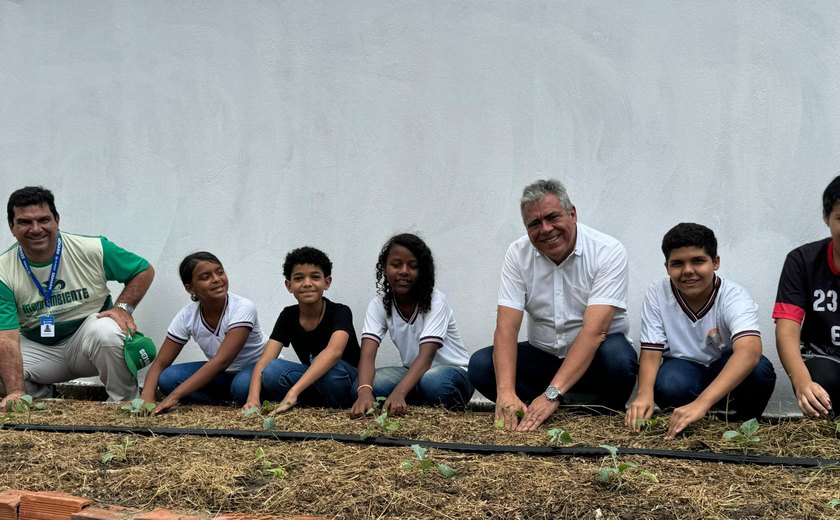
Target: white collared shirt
point(556, 296)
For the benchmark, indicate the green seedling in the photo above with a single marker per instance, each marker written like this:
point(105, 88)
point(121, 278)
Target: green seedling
point(382, 423)
point(269, 421)
point(268, 467)
point(139, 407)
point(118, 452)
point(24, 404)
point(520, 414)
point(652, 424)
point(499, 424)
point(614, 473)
point(833, 503)
point(559, 436)
point(745, 435)
point(422, 459)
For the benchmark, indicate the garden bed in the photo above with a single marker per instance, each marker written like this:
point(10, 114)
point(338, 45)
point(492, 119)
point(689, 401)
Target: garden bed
point(211, 475)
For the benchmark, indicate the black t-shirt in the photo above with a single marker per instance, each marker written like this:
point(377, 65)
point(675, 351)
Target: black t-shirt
point(809, 294)
point(337, 316)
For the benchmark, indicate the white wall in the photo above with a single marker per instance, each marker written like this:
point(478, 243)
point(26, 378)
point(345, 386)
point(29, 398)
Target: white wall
point(249, 128)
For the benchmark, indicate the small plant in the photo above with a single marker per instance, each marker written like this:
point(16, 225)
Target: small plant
point(833, 503)
point(500, 422)
point(559, 436)
point(269, 467)
point(24, 404)
point(381, 422)
point(422, 459)
point(652, 424)
point(615, 473)
point(745, 435)
point(269, 421)
point(138, 407)
point(118, 452)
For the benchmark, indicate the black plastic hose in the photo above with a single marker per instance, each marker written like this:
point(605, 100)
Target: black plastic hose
point(484, 449)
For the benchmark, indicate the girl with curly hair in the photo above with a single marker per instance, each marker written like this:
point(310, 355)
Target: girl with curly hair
point(421, 325)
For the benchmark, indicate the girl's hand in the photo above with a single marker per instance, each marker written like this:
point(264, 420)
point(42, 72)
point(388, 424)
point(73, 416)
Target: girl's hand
point(362, 404)
point(395, 405)
point(168, 403)
point(286, 404)
point(251, 404)
point(148, 395)
point(640, 408)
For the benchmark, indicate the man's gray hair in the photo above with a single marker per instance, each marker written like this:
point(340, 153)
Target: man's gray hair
point(534, 192)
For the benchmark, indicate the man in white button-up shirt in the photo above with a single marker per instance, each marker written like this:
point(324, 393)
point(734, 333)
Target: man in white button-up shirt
point(572, 281)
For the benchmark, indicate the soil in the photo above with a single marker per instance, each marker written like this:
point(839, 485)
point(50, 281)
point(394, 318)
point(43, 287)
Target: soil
point(207, 476)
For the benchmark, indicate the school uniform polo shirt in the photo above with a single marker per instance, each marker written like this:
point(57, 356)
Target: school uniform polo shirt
point(556, 296)
point(671, 327)
point(409, 332)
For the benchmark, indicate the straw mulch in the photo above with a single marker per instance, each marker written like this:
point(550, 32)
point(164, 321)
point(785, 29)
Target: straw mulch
point(327, 478)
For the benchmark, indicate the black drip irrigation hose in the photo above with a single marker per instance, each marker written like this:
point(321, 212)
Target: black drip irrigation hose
point(481, 449)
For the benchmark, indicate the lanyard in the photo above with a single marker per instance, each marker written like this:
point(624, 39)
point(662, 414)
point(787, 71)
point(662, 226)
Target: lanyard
point(53, 271)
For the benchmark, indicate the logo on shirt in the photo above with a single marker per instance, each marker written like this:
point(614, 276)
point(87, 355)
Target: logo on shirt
point(57, 298)
point(714, 339)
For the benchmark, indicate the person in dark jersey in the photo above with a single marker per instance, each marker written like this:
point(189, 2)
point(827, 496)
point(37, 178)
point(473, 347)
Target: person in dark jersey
point(807, 317)
point(322, 335)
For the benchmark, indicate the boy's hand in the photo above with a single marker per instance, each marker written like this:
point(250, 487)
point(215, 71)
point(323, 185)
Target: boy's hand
point(288, 402)
point(640, 408)
point(395, 404)
point(683, 417)
point(362, 404)
point(506, 408)
point(813, 400)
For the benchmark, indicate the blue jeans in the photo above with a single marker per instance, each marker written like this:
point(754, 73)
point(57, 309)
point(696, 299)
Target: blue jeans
point(218, 391)
point(680, 381)
point(444, 385)
point(334, 389)
point(609, 379)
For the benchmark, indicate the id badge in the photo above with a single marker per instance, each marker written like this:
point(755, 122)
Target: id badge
point(47, 326)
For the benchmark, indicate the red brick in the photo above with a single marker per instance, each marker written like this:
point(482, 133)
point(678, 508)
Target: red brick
point(95, 513)
point(49, 505)
point(165, 514)
point(9, 502)
point(242, 516)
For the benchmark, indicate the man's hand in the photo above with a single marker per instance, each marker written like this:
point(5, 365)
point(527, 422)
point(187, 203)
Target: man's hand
point(395, 404)
point(288, 402)
point(10, 399)
point(640, 408)
point(683, 417)
point(540, 410)
point(506, 408)
point(813, 400)
point(123, 319)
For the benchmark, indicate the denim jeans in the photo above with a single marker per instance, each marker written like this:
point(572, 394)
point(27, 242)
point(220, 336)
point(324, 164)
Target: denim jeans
point(609, 379)
point(218, 391)
point(680, 381)
point(444, 385)
point(334, 389)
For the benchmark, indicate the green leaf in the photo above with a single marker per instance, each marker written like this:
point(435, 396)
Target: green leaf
point(559, 436)
point(501, 424)
point(520, 414)
point(625, 466)
point(392, 426)
point(642, 422)
point(149, 407)
point(604, 474)
point(731, 435)
point(251, 411)
point(366, 434)
point(380, 419)
point(26, 399)
point(278, 472)
point(426, 464)
point(406, 464)
point(650, 476)
point(269, 423)
point(834, 502)
point(38, 406)
point(446, 471)
point(419, 451)
point(612, 449)
point(749, 428)
point(260, 453)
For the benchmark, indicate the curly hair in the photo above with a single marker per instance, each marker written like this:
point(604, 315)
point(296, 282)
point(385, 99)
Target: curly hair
point(306, 255)
point(422, 290)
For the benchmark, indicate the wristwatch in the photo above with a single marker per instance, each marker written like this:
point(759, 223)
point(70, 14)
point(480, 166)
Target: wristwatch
point(554, 395)
point(127, 307)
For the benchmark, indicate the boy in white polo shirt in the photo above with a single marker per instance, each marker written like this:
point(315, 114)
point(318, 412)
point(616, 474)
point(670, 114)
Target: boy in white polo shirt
point(704, 332)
